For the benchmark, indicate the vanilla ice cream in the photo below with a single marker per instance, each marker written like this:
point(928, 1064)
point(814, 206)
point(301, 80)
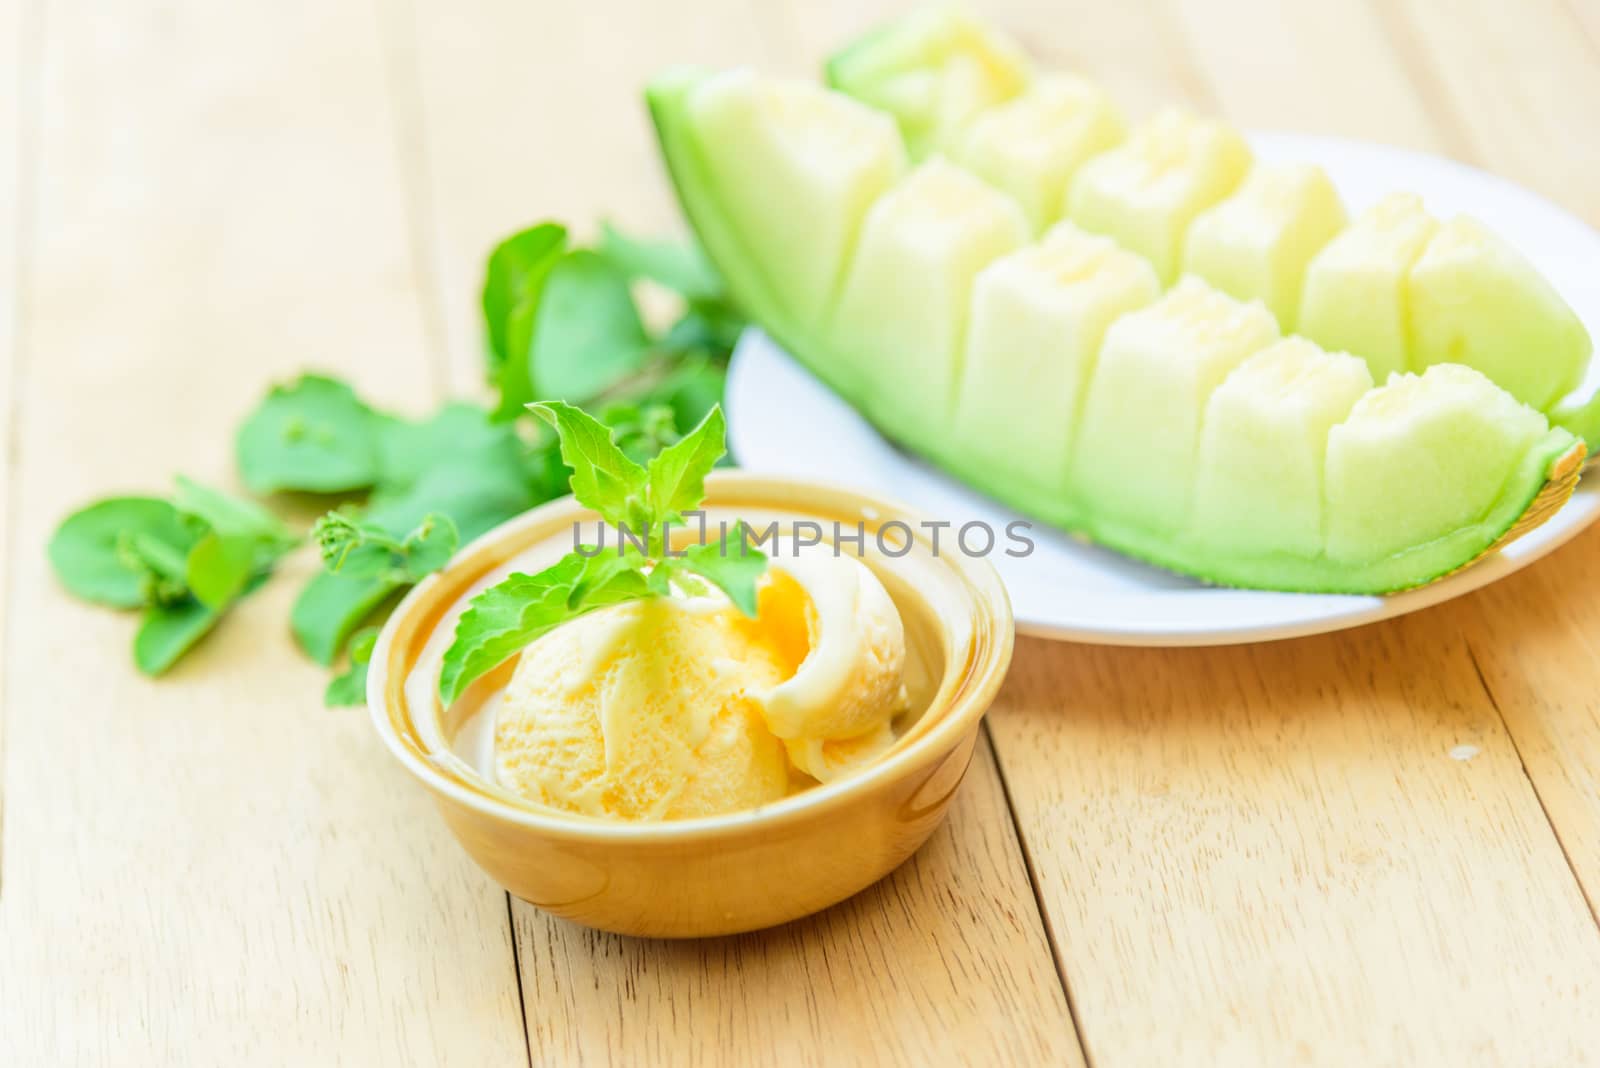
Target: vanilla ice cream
point(681, 706)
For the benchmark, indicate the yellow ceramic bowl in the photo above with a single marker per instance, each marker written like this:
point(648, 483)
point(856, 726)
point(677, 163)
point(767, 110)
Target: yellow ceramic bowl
point(744, 870)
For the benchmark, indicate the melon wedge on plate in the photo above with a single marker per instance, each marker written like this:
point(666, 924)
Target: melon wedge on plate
point(943, 299)
point(1145, 192)
point(933, 70)
point(1256, 244)
point(1031, 146)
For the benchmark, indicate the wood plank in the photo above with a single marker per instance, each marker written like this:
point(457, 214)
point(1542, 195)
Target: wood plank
point(950, 948)
point(213, 867)
point(945, 955)
point(1282, 853)
point(1520, 81)
point(21, 53)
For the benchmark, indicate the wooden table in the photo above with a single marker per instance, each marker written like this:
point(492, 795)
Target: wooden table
point(1378, 847)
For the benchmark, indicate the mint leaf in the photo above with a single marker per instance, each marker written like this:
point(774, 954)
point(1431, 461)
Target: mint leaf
point(167, 631)
point(603, 478)
point(350, 687)
point(218, 567)
point(88, 550)
point(734, 569)
point(678, 265)
point(588, 334)
point(331, 606)
point(313, 435)
point(512, 287)
point(367, 549)
point(160, 561)
point(503, 619)
point(676, 478)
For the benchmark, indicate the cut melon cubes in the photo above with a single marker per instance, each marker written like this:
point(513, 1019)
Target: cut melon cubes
point(903, 312)
point(825, 157)
point(1355, 296)
point(1423, 455)
point(1256, 244)
point(1475, 300)
point(1038, 318)
point(1135, 455)
point(1031, 146)
point(1259, 487)
point(1145, 193)
point(933, 70)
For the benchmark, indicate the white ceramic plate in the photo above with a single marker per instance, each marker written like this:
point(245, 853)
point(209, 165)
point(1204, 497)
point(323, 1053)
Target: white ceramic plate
point(784, 421)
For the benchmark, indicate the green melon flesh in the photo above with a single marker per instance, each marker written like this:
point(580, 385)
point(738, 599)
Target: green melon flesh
point(1190, 438)
point(1475, 300)
point(1259, 487)
point(1355, 289)
point(1255, 245)
point(1136, 451)
point(1038, 318)
point(1144, 193)
point(902, 314)
point(933, 70)
point(1031, 146)
point(1423, 454)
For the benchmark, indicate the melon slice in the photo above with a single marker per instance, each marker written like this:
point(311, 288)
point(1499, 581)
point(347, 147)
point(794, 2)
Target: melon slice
point(933, 70)
point(1421, 478)
point(1031, 146)
point(1145, 192)
point(1255, 245)
point(902, 314)
point(1135, 455)
point(1355, 289)
point(1038, 318)
point(823, 155)
point(1475, 300)
point(1264, 444)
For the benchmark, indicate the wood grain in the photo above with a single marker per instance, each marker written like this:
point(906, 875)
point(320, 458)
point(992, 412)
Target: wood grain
point(1322, 851)
point(213, 868)
point(943, 961)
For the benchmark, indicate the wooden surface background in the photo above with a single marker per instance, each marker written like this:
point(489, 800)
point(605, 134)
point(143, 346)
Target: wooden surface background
point(1380, 847)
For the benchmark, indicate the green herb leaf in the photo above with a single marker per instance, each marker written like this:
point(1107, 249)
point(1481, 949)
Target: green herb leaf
point(350, 687)
point(734, 569)
point(331, 606)
point(603, 478)
point(588, 333)
point(678, 265)
point(677, 476)
point(218, 567)
point(506, 617)
point(167, 631)
point(161, 562)
point(511, 296)
point(313, 435)
point(364, 548)
point(88, 550)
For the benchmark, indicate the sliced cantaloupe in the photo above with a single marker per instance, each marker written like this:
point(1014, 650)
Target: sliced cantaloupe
point(1145, 192)
point(1182, 451)
point(1475, 300)
point(1256, 244)
point(1038, 318)
point(1136, 450)
point(1355, 293)
point(1031, 146)
point(902, 315)
point(825, 156)
point(1259, 486)
point(933, 70)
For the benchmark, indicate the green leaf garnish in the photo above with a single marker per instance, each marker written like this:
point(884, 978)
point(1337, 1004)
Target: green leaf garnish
point(89, 550)
point(678, 265)
point(313, 435)
point(350, 687)
point(503, 619)
point(512, 287)
point(364, 548)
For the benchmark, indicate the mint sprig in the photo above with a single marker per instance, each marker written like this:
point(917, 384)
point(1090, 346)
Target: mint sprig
point(503, 619)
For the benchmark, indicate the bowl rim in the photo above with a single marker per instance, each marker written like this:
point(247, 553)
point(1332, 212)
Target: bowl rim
point(985, 674)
